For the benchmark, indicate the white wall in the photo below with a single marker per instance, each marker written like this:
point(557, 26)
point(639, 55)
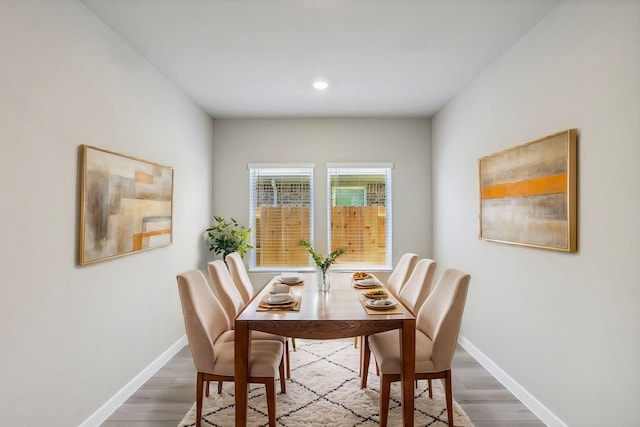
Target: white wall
point(563, 326)
point(405, 142)
point(71, 336)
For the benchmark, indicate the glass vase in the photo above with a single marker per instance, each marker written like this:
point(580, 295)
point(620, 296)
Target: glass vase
point(324, 282)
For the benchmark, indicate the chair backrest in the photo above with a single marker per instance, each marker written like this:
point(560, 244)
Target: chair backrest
point(416, 289)
point(240, 276)
point(204, 318)
point(441, 314)
point(401, 273)
point(225, 290)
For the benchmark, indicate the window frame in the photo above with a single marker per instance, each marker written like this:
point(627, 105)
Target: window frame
point(284, 169)
point(363, 167)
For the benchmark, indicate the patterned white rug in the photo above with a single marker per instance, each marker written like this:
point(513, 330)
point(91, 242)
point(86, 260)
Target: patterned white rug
point(324, 390)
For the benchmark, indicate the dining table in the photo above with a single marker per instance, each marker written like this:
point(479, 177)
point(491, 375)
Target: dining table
point(336, 313)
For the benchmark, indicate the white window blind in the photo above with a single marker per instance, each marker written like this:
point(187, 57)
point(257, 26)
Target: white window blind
point(281, 212)
point(359, 206)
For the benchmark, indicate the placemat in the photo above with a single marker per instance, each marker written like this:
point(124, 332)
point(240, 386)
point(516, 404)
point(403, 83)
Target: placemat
point(394, 310)
point(277, 282)
point(293, 306)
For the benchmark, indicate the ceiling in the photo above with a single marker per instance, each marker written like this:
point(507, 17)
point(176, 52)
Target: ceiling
point(381, 58)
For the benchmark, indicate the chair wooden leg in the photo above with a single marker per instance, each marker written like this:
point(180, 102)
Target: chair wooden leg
point(270, 386)
point(364, 364)
point(288, 354)
point(430, 389)
point(448, 396)
point(199, 387)
point(206, 388)
point(219, 387)
point(293, 343)
point(283, 383)
point(385, 392)
point(361, 339)
point(355, 341)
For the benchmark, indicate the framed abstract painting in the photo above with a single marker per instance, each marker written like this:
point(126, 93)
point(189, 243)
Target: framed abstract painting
point(126, 205)
point(528, 194)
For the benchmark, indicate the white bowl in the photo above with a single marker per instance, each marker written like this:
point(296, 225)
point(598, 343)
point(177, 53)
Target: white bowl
point(280, 289)
point(289, 277)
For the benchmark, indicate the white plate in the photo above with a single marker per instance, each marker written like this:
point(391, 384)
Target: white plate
point(289, 278)
point(380, 303)
point(278, 299)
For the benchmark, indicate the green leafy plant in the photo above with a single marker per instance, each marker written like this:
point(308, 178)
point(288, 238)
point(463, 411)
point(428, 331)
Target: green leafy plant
point(322, 263)
point(226, 237)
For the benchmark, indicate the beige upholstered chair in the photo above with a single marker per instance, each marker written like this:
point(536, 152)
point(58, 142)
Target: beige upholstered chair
point(401, 273)
point(416, 289)
point(437, 327)
point(243, 283)
point(213, 357)
point(398, 277)
point(240, 276)
point(231, 299)
point(225, 290)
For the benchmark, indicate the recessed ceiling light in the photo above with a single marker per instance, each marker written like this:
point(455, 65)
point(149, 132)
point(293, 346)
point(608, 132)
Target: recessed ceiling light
point(320, 85)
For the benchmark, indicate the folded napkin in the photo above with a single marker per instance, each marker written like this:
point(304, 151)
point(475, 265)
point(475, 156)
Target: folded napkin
point(382, 302)
point(366, 282)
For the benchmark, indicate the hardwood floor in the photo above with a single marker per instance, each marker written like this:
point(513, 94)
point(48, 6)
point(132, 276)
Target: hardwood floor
point(485, 400)
point(167, 396)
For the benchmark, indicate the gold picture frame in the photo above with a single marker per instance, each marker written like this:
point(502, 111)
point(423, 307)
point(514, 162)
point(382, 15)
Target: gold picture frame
point(126, 205)
point(528, 194)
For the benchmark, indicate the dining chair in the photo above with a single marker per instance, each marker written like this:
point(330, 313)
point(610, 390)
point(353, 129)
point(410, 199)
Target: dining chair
point(240, 276)
point(437, 327)
point(416, 289)
point(225, 290)
point(413, 294)
point(397, 279)
point(232, 301)
point(401, 273)
point(206, 323)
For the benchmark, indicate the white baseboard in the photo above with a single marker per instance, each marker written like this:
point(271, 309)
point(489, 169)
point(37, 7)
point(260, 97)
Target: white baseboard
point(120, 397)
point(541, 411)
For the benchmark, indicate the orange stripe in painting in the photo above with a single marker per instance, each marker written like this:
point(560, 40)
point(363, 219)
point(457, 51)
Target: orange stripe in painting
point(144, 178)
point(137, 237)
point(544, 185)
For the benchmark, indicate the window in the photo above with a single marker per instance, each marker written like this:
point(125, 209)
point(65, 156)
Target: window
point(349, 196)
point(281, 212)
point(359, 202)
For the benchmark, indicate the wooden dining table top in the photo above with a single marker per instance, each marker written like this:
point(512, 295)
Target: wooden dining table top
point(340, 307)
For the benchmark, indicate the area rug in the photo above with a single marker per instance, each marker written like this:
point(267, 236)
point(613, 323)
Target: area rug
point(324, 390)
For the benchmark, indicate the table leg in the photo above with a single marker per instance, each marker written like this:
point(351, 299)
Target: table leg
point(241, 348)
point(408, 370)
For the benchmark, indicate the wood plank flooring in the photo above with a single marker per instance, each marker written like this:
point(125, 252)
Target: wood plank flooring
point(485, 400)
point(167, 396)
